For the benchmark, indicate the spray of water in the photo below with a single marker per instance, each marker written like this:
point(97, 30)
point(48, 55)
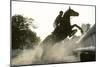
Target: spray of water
point(60, 52)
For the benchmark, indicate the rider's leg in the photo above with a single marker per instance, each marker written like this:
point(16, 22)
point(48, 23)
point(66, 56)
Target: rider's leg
point(72, 32)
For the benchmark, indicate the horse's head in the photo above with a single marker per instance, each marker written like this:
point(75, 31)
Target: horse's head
point(72, 12)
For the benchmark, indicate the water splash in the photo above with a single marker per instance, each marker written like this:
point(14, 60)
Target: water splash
point(60, 52)
point(27, 56)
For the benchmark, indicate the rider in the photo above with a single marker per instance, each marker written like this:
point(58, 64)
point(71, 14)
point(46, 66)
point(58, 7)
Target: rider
point(58, 19)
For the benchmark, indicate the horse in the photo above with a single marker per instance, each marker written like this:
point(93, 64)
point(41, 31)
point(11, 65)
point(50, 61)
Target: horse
point(64, 30)
point(61, 32)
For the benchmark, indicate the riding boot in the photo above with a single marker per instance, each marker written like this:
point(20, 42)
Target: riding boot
point(73, 32)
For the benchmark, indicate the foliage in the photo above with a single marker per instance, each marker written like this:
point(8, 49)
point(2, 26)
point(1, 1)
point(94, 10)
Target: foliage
point(22, 36)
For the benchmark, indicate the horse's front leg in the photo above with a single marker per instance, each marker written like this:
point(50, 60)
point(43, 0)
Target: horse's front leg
point(78, 27)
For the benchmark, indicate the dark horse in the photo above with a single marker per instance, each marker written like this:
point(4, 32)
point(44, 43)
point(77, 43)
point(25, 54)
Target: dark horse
point(64, 29)
point(60, 33)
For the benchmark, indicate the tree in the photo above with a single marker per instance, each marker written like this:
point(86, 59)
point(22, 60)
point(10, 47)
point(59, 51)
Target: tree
point(85, 27)
point(22, 36)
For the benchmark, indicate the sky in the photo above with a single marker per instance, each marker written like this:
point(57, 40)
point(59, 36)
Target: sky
point(44, 15)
